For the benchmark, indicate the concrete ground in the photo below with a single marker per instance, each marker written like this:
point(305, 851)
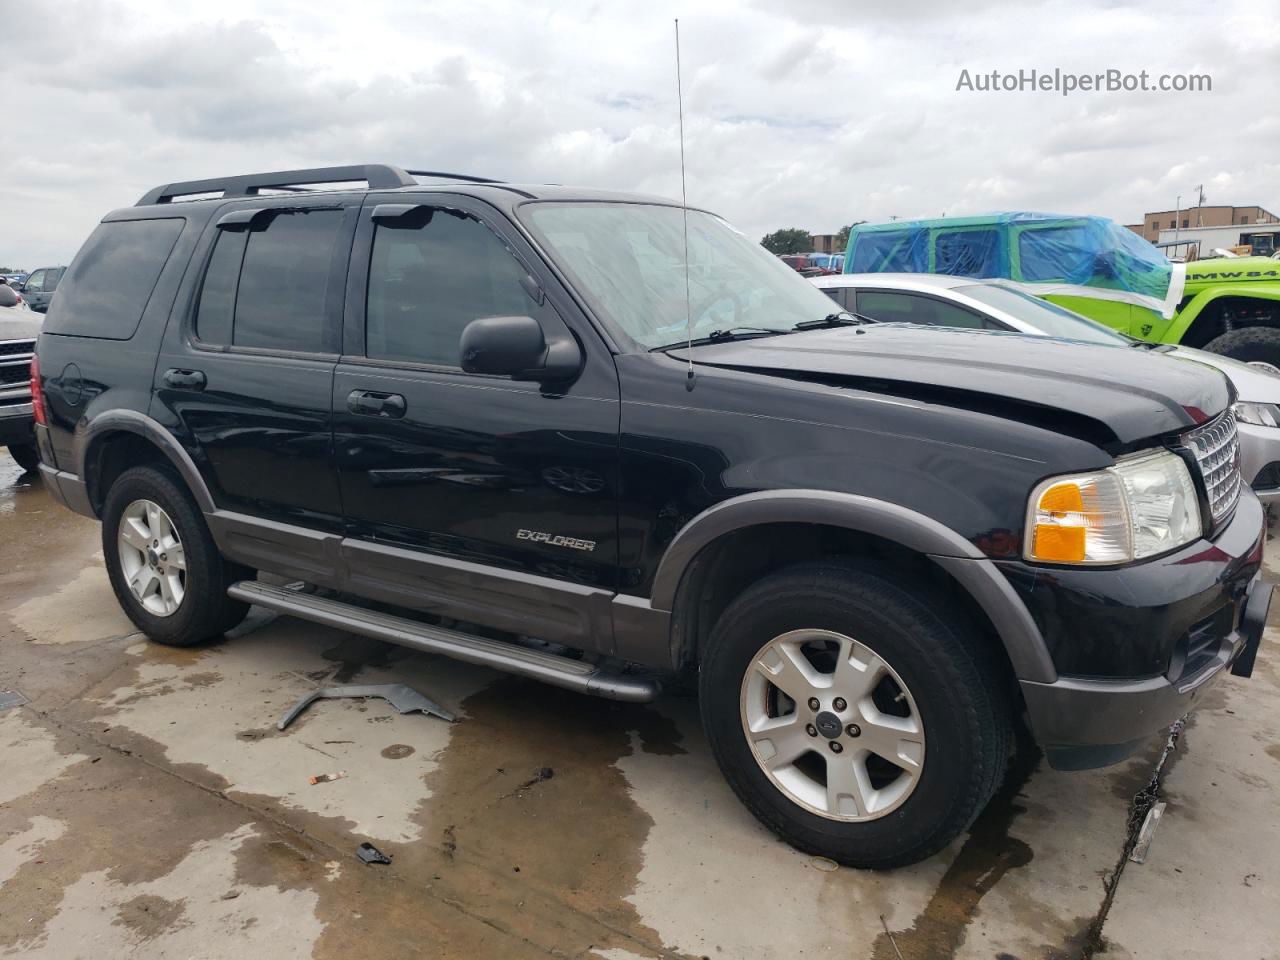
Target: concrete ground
point(150, 809)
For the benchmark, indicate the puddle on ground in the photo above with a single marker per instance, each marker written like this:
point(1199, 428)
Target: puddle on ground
point(988, 853)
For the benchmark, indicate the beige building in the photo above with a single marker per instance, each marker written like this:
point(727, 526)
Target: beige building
point(826, 243)
point(1197, 217)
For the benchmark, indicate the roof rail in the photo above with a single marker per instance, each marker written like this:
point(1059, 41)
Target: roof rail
point(379, 176)
point(466, 178)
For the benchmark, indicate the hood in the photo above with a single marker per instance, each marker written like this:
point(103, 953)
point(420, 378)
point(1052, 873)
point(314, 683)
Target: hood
point(1253, 384)
point(19, 323)
point(1133, 394)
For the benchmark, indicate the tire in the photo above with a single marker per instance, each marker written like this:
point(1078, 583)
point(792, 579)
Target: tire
point(203, 610)
point(948, 683)
point(1250, 345)
point(26, 455)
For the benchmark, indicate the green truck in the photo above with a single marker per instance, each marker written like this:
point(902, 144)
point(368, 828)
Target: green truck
point(1095, 267)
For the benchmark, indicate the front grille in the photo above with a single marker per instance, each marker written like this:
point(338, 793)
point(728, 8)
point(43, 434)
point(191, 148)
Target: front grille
point(12, 374)
point(17, 348)
point(1217, 451)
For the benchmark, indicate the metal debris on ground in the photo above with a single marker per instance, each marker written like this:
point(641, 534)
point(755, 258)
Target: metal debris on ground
point(404, 698)
point(1147, 833)
point(327, 777)
point(371, 854)
point(12, 698)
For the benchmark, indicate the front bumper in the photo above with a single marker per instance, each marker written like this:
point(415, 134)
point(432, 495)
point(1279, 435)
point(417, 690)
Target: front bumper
point(1179, 621)
point(1260, 449)
point(1083, 723)
point(16, 423)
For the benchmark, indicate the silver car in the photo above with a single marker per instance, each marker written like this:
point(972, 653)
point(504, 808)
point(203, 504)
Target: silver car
point(947, 301)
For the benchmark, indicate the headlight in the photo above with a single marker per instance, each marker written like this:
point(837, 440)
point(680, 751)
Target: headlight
point(1143, 506)
point(1260, 414)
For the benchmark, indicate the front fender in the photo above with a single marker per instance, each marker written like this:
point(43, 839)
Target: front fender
point(1192, 311)
point(921, 534)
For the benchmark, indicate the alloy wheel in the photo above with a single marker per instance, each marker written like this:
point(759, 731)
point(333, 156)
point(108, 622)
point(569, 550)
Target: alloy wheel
point(152, 558)
point(832, 725)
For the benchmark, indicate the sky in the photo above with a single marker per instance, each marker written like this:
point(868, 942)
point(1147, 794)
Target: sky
point(806, 115)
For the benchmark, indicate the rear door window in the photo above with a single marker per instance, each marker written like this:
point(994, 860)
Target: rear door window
point(265, 286)
point(891, 307)
point(107, 287)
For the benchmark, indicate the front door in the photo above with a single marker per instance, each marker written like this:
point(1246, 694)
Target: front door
point(481, 498)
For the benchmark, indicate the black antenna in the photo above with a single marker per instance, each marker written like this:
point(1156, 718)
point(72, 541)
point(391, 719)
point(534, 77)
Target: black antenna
point(684, 208)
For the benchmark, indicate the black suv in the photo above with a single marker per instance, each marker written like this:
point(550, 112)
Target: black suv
point(465, 415)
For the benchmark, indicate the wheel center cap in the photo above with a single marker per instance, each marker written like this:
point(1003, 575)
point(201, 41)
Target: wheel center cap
point(153, 559)
point(828, 724)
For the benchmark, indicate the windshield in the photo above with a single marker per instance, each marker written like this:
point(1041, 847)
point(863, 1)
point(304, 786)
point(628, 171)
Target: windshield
point(628, 259)
point(1048, 318)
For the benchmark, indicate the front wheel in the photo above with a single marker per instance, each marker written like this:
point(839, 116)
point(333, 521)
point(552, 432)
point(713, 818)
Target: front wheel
point(164, 567)
point(857, 720)
point(1256, 345)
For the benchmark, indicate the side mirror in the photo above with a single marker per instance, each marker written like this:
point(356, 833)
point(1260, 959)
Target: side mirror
point(517, 347)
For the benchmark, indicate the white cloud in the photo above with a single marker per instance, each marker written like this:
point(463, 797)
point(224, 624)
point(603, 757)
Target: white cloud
point(791, 119)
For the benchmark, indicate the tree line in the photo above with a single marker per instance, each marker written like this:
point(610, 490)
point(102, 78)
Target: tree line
point(795, 240)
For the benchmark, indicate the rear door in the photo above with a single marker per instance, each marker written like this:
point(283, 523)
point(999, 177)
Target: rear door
point(484, 498)
point(245, 374)
point(33, 291)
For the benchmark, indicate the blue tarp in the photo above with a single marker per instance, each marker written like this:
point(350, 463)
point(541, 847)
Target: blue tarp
point(1035, 248)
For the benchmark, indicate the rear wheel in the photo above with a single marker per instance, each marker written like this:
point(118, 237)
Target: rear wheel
point(164, 566)
point(26, 455)
point(857, 720)
point(1256, 345)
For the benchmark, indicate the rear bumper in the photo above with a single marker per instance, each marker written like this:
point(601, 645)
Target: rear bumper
point(1083, 723)
point(67, 489)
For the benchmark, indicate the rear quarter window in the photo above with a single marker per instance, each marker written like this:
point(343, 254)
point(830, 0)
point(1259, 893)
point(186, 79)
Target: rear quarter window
point(106, 288)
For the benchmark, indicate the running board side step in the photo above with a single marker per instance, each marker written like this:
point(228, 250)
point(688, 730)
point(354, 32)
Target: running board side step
point(559, 671)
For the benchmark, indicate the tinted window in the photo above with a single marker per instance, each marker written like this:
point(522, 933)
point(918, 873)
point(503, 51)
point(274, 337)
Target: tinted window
point(432, 273)
point(107, 287)
point(51, 280)
point(217, 304)
point(911, 308)
point(280, 301)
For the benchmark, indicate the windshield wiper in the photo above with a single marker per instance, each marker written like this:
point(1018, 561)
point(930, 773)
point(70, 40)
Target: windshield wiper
point(841, 319)
point(723, 336)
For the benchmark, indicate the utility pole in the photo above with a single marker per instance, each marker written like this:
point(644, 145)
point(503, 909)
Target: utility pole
point(1199, 204)
point(1177, 218)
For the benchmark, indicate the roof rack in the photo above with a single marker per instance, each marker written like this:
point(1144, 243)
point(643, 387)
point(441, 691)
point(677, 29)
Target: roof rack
point(379, 176)
point(465, 178)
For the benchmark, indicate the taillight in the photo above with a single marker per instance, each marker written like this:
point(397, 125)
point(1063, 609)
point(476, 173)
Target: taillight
point(37, 394)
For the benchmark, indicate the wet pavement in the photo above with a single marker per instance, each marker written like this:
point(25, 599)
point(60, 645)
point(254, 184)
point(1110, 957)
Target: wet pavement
point(150, 808)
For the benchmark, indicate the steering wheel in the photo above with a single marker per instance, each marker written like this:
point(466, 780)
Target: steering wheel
point(725, 292)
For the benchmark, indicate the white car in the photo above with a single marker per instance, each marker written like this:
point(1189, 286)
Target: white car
point(947, 301)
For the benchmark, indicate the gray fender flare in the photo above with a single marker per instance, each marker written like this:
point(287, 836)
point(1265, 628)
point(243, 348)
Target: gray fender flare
point(130, 421)
point(960, 558)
